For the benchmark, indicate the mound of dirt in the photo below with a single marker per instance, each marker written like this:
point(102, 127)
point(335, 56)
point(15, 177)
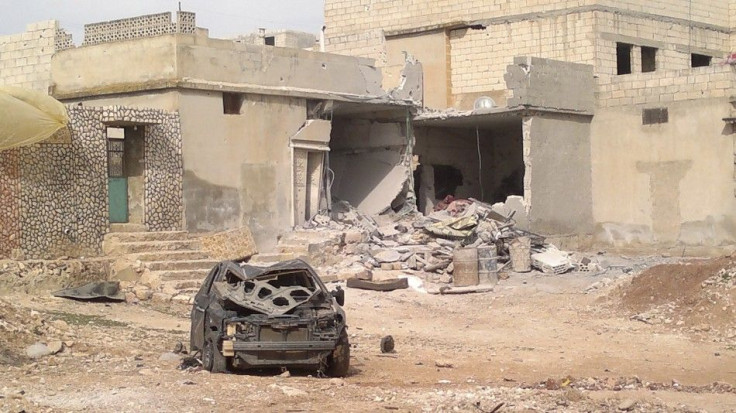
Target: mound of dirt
point(20, 328)
point(695, 296)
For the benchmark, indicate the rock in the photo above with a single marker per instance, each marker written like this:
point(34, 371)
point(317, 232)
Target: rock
point(387, 344)
point(169, 357)
point(182, 298)
point(160, 298)
point(55, 346)
point(37, 350)
point(142, 292)
point(60, 325)
point(386, 256)
point(353, 237)
point(130, 298)
point(337, 382)
point(286, 373)
point(289, 391)
point(627, 404)
point(445, 364)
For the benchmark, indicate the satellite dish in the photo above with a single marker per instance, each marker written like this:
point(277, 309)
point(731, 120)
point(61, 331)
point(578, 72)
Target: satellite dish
point(484, 102)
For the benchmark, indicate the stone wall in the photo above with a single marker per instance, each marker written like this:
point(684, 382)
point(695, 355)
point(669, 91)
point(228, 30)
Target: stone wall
point(483, 37)
point(667, 86)
point(9, 202)
point(344, 18)
point(25, 58)
point(140, 26)
point(54, 195)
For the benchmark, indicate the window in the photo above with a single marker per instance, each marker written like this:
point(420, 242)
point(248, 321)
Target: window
point(654, 116)
point(699, 60)
point(648, 59)
point(270, 40)
point(231, 103)
point(623, 58)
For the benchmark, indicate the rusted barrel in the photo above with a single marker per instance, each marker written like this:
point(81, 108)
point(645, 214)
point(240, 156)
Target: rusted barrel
point(520, 251)
point(465, 262)
point(487, 270)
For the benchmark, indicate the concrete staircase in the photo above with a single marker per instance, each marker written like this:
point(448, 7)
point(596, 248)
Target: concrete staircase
point(315, 247)
point(175, 263)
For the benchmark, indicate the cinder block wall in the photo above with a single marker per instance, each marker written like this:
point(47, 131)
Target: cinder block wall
point(140, 26)
point(25, 58)
point(574, 31)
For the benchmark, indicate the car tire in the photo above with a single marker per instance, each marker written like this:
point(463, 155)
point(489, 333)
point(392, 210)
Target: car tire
point(339, 361)
point(212, 359)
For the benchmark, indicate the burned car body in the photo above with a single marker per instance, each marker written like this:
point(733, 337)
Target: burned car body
point(246, 316)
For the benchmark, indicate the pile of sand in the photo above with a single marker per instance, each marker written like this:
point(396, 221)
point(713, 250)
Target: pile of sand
point(695, 296)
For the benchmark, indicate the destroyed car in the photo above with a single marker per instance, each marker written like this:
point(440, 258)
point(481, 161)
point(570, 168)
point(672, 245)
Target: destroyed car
point(249, 317)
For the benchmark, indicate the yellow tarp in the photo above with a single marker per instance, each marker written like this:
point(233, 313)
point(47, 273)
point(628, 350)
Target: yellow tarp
point(28, 117)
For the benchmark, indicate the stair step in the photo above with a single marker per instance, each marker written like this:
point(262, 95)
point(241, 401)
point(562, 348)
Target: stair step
point(301, 249)
point(164, 265)
point(179, 275)
point(112, 247)
point(273, 257)
point(147, 236)
point(127, 227)
point(184, 255)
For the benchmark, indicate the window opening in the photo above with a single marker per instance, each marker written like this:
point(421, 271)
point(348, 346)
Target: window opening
point(699, 60)
point(648, 59)
point(232, 103)
point(623, 58)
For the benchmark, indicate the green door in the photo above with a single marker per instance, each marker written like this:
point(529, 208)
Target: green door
point(117, 183)
point(118, 197)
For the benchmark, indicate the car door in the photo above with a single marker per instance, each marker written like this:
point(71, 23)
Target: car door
point(201, 302)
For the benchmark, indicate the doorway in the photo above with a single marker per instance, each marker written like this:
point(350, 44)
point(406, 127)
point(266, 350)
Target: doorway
point(125, 166)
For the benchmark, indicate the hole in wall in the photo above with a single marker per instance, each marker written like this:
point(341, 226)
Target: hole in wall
point(446, 180)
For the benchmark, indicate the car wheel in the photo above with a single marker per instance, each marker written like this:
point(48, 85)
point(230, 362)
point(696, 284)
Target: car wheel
point(339, 360)
point(212, 359)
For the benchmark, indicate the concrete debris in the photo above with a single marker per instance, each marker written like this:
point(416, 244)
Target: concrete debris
point(395, 245)
point(551, 261)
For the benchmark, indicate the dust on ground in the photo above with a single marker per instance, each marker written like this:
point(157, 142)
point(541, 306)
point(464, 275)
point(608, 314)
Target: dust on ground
point(537, 343)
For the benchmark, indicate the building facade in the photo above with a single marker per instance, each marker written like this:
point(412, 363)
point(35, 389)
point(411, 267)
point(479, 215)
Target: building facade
point(659, 138)
point(174, 130)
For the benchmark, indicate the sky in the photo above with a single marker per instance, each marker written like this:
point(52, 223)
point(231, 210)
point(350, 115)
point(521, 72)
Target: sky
point(223, 18)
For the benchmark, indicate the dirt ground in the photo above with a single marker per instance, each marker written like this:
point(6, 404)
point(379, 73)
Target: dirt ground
point(571, 342)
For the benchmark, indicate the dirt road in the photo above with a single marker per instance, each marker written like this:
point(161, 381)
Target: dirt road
point(538, 343)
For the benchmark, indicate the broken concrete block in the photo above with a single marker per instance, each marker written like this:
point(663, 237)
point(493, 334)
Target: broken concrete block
point(384, 256)
point(236, 243)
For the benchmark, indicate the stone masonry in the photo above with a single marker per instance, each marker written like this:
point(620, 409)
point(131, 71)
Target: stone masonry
point(54, 195)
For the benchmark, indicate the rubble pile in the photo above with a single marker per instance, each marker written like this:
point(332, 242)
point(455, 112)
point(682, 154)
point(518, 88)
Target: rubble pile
point(425, 245)
point(692, 297)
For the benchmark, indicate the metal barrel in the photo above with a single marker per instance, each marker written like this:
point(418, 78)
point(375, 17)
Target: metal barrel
point(465, 262)
point(487, 269)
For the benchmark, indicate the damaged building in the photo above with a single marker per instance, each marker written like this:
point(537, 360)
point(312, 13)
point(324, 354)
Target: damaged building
point(590, 121)
point(200, 135)
point(611, 120)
